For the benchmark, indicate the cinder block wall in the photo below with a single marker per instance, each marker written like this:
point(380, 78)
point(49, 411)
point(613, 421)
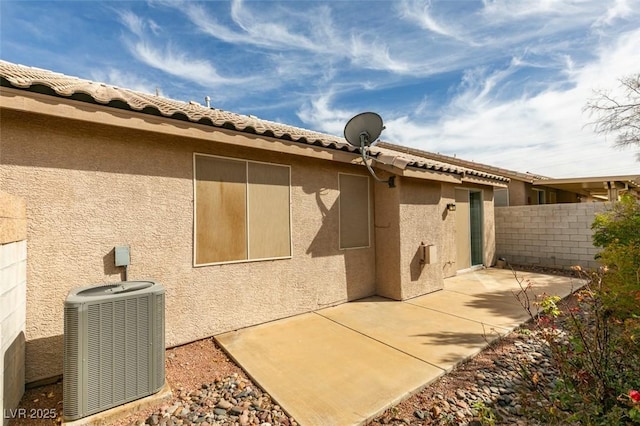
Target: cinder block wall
point(554, 235)
point(13, 287)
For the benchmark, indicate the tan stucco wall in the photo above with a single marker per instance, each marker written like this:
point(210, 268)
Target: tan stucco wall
point(414, 212)
point(13, 217)
point(421, 220)
point(90, 187)
point(387, 233)
point(447, 249)
point(518, 193)
point(489, 249)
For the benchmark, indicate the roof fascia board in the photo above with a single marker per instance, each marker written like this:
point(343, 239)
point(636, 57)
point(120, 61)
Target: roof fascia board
point(483, 181)
point(511, 174)
point(420, 173)
point(30, 102)
point(593, 179)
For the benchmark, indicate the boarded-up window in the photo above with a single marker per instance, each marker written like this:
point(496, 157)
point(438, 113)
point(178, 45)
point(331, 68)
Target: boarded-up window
point(242, 210)
point(354, 211)
point(269, 211)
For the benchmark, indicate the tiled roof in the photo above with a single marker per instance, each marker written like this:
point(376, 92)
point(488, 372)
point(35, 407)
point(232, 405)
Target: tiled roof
point(425, 155)
point(56, 84)
point(403, 159)
point(62, 85)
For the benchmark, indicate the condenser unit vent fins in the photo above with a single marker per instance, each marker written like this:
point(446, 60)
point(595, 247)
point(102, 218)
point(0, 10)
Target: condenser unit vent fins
point(114, 346)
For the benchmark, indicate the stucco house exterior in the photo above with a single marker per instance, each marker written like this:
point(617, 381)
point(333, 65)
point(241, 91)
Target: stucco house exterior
point(242, 220)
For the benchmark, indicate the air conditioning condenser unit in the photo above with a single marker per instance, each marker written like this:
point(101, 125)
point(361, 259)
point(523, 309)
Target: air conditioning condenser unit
point(113, 346)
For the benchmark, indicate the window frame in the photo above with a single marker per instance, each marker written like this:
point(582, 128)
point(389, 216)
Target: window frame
point(368, 212)
point(247, 220)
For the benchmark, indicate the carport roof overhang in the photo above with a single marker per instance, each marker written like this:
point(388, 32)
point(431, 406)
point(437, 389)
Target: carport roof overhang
point(595, 186)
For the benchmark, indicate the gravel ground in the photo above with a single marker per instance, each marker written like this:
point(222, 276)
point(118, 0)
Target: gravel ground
point(210, 389)
point(492, 383)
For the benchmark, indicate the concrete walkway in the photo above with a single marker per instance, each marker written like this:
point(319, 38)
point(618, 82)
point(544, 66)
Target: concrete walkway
point(346, 364)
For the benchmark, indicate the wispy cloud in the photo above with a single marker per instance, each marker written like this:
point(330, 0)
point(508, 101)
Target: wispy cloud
point(420, 12)
point(252, 28)
point(321, 115)
point(510, 10)
point(169, 59)
point(313, 33)
point(543, 131)
point(133, 22)
point(498, 81)
point(181, 65)
point(119, 78)
point(619, 9)
point(547, 131)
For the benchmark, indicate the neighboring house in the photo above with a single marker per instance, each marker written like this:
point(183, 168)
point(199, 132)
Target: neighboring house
point(523, 188)
point(242, 220)
point(594, 188)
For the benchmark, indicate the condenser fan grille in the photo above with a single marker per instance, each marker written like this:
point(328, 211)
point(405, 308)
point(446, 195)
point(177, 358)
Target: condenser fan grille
point(114, 347)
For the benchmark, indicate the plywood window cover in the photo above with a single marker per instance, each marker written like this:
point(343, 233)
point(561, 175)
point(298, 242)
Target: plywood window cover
point(368, 214)
point(196, 154)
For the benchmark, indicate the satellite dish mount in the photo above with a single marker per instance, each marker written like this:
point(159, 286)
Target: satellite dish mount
point(363, 131)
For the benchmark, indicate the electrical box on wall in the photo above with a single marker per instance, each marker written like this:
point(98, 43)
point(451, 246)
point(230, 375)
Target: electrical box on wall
point(122, 256)
point(428, 254)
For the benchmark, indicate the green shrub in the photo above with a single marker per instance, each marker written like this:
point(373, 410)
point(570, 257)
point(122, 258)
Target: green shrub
point(617, 231)
point(595, 344)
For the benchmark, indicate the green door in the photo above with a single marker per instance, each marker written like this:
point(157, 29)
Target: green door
point(475, 222)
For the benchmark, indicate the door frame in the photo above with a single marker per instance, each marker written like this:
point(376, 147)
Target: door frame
point(471, 266)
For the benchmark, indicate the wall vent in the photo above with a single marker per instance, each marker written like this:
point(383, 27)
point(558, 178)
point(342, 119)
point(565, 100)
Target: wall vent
point(113, 346)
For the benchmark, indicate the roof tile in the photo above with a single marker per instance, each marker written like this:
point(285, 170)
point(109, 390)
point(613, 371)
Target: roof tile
point(23, 77)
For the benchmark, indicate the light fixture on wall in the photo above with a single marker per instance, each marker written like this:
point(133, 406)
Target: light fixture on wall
point(362, 131)
point(451, 207)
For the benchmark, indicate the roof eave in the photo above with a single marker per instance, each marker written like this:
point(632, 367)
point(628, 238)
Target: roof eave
point(31, 102)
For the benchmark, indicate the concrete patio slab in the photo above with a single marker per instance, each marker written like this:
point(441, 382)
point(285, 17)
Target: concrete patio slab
point(323, 373)
point(489, 309)
point(346, 364)
point(501, 283)
point(434, 337)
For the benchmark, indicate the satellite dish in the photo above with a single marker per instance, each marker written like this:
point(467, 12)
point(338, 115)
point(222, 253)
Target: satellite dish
point(363, 129)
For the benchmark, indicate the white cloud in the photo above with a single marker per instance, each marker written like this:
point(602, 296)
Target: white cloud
point(320, 115)
point(133, 22)
point(313, 34)
point(118, 78)
point(509, 10)
point(525, 70)
point(546, 133)
point(420, 13)
point(173, 61)
point(179, 64)
point(254, 29)
point(375, 55)
point(620, 9)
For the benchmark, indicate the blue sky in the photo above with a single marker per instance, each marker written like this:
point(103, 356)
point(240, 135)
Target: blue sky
point(494, 81)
